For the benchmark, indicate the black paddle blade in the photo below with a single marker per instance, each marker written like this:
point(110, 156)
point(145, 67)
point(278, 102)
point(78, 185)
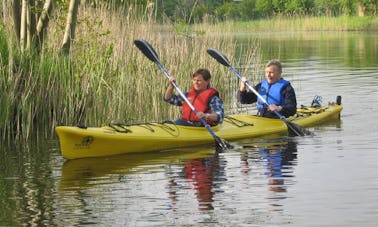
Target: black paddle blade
point(219, 56)
point(147, 49)
point(296, 130)
point(222, 145)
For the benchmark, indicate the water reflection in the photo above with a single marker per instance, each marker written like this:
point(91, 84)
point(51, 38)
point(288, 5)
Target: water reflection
point(81, 174)
point(26, 184)
point(351, 49)
point(277, 158)
point(127, 181)
point(202, 172)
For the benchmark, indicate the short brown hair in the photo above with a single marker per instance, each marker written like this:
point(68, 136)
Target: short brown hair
point(276, 63)
point(205, 73)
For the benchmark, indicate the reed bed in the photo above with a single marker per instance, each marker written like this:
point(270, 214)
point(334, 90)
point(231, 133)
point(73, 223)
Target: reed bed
point(106, 78)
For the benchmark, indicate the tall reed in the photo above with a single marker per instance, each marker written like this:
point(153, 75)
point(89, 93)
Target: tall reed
point(106, 78)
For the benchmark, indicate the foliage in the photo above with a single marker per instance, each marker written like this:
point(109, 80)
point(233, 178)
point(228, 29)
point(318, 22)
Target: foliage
point(259, 9)
point(192, 11)
point(4, 53)
point(227, 11)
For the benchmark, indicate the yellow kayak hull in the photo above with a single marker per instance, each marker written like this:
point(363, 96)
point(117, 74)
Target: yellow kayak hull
point(76, 142)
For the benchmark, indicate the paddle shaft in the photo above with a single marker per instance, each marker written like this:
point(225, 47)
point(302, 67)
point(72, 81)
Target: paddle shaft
point(177, 87)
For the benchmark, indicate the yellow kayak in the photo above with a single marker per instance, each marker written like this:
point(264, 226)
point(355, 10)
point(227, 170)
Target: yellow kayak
point(81, 142)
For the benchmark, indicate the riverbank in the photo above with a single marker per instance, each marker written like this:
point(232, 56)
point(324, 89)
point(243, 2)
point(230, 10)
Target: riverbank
point(279, 24)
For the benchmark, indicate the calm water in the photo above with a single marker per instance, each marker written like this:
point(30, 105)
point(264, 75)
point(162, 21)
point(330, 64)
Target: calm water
point(330, 179)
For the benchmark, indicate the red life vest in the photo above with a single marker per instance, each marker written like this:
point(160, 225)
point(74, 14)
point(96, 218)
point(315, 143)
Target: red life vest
point(200, 101)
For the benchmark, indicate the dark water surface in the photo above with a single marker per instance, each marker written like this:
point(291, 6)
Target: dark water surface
point(330, 179)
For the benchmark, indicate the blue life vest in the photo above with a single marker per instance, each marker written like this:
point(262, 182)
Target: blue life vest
point(271, 93)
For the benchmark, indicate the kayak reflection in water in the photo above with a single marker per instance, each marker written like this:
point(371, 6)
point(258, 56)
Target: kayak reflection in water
point(204, 99)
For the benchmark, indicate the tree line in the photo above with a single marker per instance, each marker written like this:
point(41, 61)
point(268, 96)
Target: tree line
point(192, 11)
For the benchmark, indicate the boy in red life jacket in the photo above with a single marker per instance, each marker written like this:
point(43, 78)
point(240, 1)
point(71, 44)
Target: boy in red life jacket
point(205, 100)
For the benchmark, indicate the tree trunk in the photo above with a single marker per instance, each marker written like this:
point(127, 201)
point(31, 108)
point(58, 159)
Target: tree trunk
point(23, 21)
point(43, 21)
point(33, 14)
point(31, 21)
point(27, 26)
point(17, 17)
point(3, 10)
point(361, 9)
point(69, 33)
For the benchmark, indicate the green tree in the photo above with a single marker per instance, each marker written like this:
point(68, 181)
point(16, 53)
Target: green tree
point(327, 8)
point(367, 7)
point(178, 10)
point(227, 11)
point(199, 12)
point(348, 7)
point(69, 32)
point(298, 7)
point(247, 9)
point(30, 20)
point(264, 8)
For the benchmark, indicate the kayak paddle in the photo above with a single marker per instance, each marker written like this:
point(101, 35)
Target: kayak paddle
point(151, 54)
point(294, 129)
